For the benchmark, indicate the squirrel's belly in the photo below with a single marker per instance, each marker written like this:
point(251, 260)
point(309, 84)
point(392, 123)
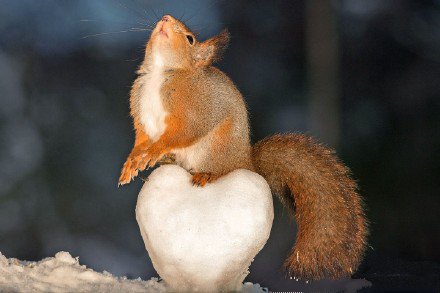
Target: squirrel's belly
point(192, 158)
point(152, 112)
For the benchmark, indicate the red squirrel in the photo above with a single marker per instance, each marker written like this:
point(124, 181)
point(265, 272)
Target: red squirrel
point(186, 109)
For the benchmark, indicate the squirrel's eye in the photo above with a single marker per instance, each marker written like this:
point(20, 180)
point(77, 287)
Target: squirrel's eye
point(190, 39)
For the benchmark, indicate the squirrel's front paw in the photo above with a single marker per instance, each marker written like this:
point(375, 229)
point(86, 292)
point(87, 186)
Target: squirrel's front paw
point(129, 171)
point(200, 178)
point(150, 157)
point(131, 167)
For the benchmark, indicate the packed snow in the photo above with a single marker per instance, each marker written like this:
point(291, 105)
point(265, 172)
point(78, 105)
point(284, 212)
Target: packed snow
point(63, 273)
point(204, 238)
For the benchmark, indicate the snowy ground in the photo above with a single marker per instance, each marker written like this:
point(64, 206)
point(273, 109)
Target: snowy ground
point(63, 273)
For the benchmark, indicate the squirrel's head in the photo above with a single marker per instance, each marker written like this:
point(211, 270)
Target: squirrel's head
point(173, 45)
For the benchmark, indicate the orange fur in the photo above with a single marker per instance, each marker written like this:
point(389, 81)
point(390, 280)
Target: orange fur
point(222, 135)
point(318, 191)
point(173, 137)
point(131, 165)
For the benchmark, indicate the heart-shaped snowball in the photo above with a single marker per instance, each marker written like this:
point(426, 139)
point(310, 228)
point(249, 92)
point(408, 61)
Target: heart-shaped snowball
point(204, 238)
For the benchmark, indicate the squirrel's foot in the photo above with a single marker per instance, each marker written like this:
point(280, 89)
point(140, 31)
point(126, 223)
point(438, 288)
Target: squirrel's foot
point(201, 178)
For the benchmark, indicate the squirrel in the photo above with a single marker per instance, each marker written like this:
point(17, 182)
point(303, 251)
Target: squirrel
point(186, 110)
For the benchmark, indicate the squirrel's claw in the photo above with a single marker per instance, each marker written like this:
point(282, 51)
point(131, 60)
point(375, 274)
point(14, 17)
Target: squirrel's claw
point(138, 161)
point(128, 172)
point(201, 178)
point(155, 160)
point(142, 162)
point(146, 163)
point(149, 159)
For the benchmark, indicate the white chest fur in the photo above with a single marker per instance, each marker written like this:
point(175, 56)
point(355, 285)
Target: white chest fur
point(152, 112)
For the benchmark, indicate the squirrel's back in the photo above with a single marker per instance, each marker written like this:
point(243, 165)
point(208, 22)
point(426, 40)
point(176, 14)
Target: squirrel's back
point(225, 144)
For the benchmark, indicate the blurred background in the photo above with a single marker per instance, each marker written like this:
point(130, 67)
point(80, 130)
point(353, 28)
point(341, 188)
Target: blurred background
point(361, 76)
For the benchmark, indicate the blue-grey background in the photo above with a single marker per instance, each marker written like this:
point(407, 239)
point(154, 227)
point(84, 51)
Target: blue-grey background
point(362, 76)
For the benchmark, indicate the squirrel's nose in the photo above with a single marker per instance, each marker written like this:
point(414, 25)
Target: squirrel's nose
point(166, 18)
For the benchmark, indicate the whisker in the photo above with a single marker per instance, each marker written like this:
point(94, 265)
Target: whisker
point(150, 25)
point(210, 5)
point(142, 7)
point(116, 32)
point(140, 16)
point(157, 17)
point(183, 14)
point(110, 21)
point(152, 16)
point(144, 25)
point(187, 20)
point(132, 60)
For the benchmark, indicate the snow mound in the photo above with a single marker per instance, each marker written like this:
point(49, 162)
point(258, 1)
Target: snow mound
point(204, 238)
point(63, 273)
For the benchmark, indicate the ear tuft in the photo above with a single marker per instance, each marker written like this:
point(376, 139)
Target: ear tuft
point(221, 43)
point(211, 50)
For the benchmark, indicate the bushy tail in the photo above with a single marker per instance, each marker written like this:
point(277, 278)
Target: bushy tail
point(318, 190)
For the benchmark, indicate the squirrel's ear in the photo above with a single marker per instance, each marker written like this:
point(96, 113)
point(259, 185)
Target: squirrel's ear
point(211, 50)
